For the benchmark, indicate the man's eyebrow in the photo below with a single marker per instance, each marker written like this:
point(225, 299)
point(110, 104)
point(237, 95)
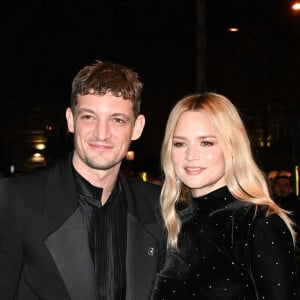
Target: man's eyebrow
point(81, 110)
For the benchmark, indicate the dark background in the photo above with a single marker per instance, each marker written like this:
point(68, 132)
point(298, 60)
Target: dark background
point(177, 47)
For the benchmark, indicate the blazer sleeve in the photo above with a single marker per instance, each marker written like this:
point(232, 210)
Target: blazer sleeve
point(272, 260)
point(11, 252)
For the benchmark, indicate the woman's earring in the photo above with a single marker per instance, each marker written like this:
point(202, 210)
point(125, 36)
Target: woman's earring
point(178, 180)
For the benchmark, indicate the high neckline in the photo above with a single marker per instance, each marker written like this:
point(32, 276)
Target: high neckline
point(219, 198)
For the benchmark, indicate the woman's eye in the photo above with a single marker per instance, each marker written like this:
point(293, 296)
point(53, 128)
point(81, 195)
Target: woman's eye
point(206, 143)
point(177, 144)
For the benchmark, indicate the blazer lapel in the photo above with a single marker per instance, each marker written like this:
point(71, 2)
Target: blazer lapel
point(142, 248)
point(68, 241)
point(68, 246)
point(141, 260)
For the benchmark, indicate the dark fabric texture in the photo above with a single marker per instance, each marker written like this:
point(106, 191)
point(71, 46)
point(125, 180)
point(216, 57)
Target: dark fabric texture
point(107, 233)
point(226, 252)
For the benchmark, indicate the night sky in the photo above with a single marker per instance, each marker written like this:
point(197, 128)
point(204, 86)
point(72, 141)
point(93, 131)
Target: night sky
point(44, 43)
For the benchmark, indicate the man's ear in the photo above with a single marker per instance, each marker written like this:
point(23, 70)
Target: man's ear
point(70, 119)
point(138, 127)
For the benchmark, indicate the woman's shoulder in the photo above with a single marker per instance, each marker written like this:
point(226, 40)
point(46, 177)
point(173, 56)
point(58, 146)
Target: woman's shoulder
point(257, 215)
point(250, 220)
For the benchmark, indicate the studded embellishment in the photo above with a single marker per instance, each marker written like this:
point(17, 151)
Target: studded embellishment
point(150, 251)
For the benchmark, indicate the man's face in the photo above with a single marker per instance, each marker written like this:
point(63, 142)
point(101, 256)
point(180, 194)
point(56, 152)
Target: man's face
point(282, 187)
point(103, 128)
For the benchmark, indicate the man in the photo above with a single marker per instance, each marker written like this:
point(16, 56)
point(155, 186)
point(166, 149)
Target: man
point(287, 199)
point(81, 230)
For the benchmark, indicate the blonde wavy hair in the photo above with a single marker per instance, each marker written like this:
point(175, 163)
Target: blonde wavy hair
point(244, 179)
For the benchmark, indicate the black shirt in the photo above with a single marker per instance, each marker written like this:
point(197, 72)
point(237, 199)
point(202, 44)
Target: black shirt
point(107, 235)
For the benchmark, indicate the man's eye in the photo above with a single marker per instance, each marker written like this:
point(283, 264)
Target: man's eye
point(119, 121)
point(87, 117)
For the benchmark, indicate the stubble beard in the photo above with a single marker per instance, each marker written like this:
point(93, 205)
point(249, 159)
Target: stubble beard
point(100, 165)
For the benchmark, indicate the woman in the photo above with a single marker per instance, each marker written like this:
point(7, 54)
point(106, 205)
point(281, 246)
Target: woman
point(232, 241)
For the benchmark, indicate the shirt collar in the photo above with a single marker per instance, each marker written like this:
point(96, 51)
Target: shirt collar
point(91, 193)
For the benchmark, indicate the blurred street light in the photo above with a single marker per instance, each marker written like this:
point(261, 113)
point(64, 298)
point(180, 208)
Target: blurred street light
point(233, 29)
point(296, 6)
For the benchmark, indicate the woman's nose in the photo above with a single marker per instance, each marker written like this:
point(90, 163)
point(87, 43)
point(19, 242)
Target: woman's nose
point(192, 153)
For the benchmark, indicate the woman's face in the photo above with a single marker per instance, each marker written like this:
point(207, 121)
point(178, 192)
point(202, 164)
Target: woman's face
point(196, 155)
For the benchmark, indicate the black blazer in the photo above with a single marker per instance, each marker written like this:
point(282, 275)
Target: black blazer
point(44, 251)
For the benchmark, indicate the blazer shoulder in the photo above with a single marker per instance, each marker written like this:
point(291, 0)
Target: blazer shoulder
point(26, 180)
point(34, 185)
point(145, 186)
point(142, 198)
point(141, 188)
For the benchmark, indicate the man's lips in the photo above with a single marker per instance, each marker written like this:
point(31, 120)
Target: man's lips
point(100, 146)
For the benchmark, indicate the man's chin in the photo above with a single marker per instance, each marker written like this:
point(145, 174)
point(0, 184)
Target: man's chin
point(100, 165)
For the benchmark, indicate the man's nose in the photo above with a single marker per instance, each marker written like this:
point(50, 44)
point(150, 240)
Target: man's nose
point(102, 130)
